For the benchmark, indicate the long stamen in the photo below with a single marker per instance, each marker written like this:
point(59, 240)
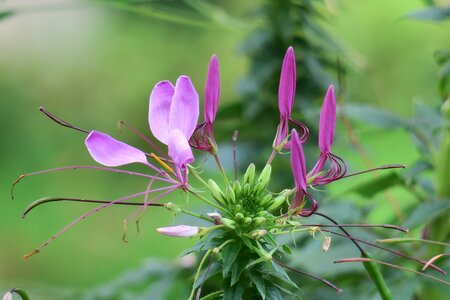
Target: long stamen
point(163, 164)
point(301, 127)
point(168, 190)
point(385, 167)
point(19, 179)
point(60, 121)
point(361, 259)
point(337, 289)
point(387, 226)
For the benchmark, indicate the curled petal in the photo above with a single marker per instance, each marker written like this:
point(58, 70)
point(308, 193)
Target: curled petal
point(288, 78)
point(212, 91)
point(112, 153)
point(327, 121)
point(179, 149)
point(184, 108)
point(298, 162)
point(158, 116)
point(179, 230)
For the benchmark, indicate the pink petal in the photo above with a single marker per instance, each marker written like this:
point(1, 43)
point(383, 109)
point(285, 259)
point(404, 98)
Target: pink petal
point(179, 230)
point(184, 109)
point(212, 91)
point(7, 296)
point(111, 152)
point(298, 162)
point(158, 116)
point(327, 121)
point(179, 149)
point(288, 78)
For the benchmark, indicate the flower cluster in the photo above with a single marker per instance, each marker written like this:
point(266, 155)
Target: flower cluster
point(245, 217)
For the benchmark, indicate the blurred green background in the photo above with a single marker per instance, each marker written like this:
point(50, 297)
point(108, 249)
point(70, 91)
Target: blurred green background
point(93, 64)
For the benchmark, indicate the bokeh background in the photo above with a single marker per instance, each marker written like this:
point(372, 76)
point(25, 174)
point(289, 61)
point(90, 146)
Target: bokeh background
point(95, 62)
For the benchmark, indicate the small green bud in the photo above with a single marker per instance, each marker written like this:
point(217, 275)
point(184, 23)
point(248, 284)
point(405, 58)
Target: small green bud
point(231, 197)
point(237, 207)
point(246, 189)
point(259, 220)
point(249, 175)
point(277, 202)
point(256, 234)
point(259, 188)
point(266, 199)
point(262, 213)
point(237, 188)
point(228, 223)
point(172, 207)
point(239, 216)
point(247, 220)
point(216, 192)
point(264, 177)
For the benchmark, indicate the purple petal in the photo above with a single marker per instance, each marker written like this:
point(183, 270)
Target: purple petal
point(288, 78)
point(111, 152)
point(212, 91)
point(184, 109)
point(298, 162)
point(327, 121)
point(179, 149)
point(158, 116)
point(179, 230)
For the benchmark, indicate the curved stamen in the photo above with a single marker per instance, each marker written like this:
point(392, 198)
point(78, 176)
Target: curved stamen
point(302, 128)
point(336, 169)
point(202, 137)
point(167, 190)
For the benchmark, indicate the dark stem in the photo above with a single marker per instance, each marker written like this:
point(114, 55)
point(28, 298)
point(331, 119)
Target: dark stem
point(60, 121)
point(337, 289)
point(235, 136)
point(387, 226)
point(58, 199)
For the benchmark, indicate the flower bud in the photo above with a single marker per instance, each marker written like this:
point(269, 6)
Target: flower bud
point(259, 188)
point(216, 217)
point(249, 175)
point(247, 220)
point(172, 207)
point(179, 230)
point(265, 200)
point(246, 189)
point(277, 202)
point(231, 197)
point(259, 220)
point(238, 207)
point(7, 296)
point(264, 177)
point(262, 213)
point(216, 192)
point(256, 234)
point(237, 188)
point(239, 216)
point(229, 223)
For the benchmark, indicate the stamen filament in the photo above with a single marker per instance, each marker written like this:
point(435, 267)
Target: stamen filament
point(163, 164)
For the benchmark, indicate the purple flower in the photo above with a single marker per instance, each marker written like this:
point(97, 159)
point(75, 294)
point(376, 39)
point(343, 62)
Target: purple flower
point(203, 138)
point(173, 116)
point(179, 230)
point(300, 177)
point(337, 167)
point(286, 97)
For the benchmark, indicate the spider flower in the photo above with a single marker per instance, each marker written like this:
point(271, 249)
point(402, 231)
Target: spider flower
point(179, 230)
point(300, 177)
point(203, 138)
point(286, 97)
point(337, 168)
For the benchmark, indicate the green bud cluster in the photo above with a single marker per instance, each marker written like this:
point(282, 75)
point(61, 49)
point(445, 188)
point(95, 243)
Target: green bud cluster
point(247, 204)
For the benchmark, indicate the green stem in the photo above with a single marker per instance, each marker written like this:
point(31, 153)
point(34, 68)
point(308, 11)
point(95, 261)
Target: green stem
point(202, 262)
point(225, 178)
point(205, 200)
point(195, 215)
point(194, 172)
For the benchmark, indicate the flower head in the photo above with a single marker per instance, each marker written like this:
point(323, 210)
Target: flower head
point(203, 138)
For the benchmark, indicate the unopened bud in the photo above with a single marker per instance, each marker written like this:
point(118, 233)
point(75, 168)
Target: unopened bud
point(229, 223)
point(249, 175)
point(262, 213)
point(216, 217)
point(231, 197)
point(179, 230)
point(172, 207)
point(277, 202)
point(7, 296)
point(239, 216)
point(216, 192)
point(238, 207)
point(247, 220)
point(246, 189)
point(259, 220)
point(264, 177)
point(326, 243)
point(256, 234)
point(259, 188)
point(237, 188)
point(265, 200)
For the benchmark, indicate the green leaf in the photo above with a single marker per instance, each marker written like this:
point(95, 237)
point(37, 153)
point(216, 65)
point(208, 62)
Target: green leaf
point(205, 273)
point(370, 188)
point(257, 279)
point(431, 14)
point(229, 254)
point(427, 212)
point(374, 272)
point(273, 292)
point(234, 292)
point(237, 268)
point(5, 14)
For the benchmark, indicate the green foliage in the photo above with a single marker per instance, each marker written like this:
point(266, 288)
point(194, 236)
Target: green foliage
point(434, 13)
